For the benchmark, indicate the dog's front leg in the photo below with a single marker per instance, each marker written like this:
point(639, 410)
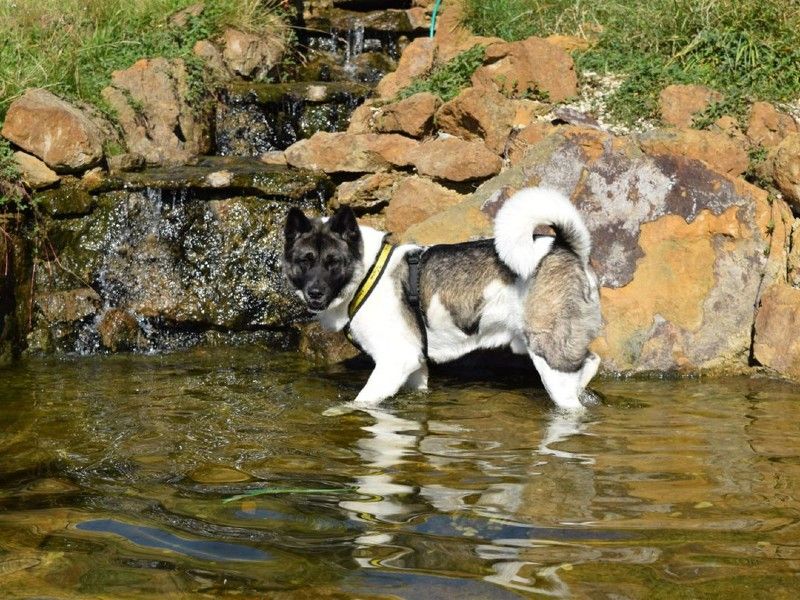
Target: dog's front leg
point(387, 378)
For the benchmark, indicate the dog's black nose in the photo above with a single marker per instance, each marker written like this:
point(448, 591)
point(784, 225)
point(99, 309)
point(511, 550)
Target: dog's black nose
point(315, 293)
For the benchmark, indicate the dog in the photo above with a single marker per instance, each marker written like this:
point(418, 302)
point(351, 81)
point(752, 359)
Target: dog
point(406, 304)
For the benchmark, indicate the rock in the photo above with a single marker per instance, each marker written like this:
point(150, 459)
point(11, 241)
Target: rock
point(415, 199)
point(68, 200)
point(351, 153)
point(212, 57)
point(69, 305)
point(125, 162)
point(416, 60)
point(361, 118)
point(369, 193)
point(479, 114)
point(55, 131)
point(730, 126)
point(680, 104)
point(784, 162)
point(454, 159)
point(412, 116)
point(776, 344)
point(767, 126)
point(717, 150)
point(569, 43)
point(182, 17)
point(680, 250)
point(216, 474)
point(119, 331)
point(249, 55)
point(323, 346)
point(273, 157)
point(151, 100)
point(517, 68)
point(35, 174)
point(527, 137)
point(418, 17)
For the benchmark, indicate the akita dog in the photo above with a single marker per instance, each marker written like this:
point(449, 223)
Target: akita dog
point(406, 304)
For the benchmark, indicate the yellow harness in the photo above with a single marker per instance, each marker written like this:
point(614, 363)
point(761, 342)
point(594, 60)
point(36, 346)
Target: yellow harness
point(368, 284)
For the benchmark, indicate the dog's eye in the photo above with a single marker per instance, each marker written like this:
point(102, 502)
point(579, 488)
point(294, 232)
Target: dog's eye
point(306, 260)
point(332, 262)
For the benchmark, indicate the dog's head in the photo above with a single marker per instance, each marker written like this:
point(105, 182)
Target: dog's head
point(321, 257)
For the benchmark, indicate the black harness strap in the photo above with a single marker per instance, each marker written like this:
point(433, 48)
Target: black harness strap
point(414, 260)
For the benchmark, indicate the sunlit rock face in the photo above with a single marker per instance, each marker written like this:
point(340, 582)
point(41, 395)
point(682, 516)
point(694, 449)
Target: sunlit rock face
point(681, 251)
point(162, 262)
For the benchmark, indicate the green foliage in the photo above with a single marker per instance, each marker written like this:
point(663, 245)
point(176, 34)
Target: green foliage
point(12, 194)
point(447, 80)
point(71, 47)
point(745, 49)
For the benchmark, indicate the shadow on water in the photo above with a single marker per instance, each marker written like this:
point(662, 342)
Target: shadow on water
point(114, 471)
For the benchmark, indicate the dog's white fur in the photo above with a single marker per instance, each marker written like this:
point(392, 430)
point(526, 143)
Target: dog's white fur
point(394, 345)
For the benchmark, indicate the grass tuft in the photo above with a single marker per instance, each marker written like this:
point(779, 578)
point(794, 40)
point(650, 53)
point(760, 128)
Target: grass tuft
point(448, 79)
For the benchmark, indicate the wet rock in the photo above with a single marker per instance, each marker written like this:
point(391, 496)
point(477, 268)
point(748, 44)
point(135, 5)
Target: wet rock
point(69, 200)
point(127, 161)
point(119, 331)
point(479, 114)
point(212, 57)
point(249, 55)
point(369, 193)
point(717, 150)
point(35, 174)
point(776, 344)
point(412, 116)
point(151, 100)
point(327, 347)
point(211, 473)
point(273, 157)
point(416, 60)
point(454, 159)
point(680, 104)
point(340, 19)
point(785, 168)
point(55, 131)
point(69, 305)
point(517, 68)
point(415, 199)
point(351, 153)
point(660, 223)
point(767, 126)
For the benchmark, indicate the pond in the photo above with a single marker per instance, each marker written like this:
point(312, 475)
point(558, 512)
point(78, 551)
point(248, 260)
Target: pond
point(119, 477)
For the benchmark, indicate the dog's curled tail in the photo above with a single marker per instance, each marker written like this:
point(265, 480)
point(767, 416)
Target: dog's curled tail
point(525, 211)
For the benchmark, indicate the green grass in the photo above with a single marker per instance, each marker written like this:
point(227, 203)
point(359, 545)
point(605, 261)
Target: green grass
point(12, 194)
point(746, 49)
point(71, 47)
point(448, 79)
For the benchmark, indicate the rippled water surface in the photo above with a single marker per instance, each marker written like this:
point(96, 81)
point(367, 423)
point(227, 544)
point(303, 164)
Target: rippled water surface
point(114, 472)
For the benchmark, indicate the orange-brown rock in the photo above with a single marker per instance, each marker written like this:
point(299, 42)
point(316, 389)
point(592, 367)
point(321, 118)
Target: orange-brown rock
point(569, 43)
point(151, 99)
point(351, 152)
point(416, 60)
point(454, 159)
point(680, 104)
point(361, 118)
point(534, 64)
point(34, 173)
point(784, 164)
point(414, 199)
point(249, 55)
point(57, 132)
point(776, 344)
point(717, 150)
point(119, 331)
point(767, 126)
point(527, 137)
point(368, 193)
point(478, 114)
point(412, 116)
point(680, 250)
point(212, 57)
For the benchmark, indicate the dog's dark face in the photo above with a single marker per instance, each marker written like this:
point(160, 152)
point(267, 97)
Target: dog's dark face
point(321, 258)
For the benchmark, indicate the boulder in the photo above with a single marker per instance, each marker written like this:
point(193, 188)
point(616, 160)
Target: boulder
point(212, 57)
point(415, 199)
point(416, 60)
point(531, 65)
point(351, 152)
point(249, 55)
point(680, 104)
point(369, 193)
point(784, 165)
point(57, 132)
point(151, 100)
point(767, 126)
point(527, 137)
point(569, 43)
point(68, 305)
point(361, 118)
point(119, 331)
point(716, 149)
point(681, 251)
point(323, 346)
point(453, 159)
point(776, 344)
point(411, 116)
point(35, 174)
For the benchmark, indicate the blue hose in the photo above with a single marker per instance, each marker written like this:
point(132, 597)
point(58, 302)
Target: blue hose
point(433, 17)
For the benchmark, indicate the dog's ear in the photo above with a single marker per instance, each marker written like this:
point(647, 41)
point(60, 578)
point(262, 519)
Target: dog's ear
point(296, 225)
point(343, 223)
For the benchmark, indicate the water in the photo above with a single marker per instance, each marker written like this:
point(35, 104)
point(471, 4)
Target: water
point(113, 472)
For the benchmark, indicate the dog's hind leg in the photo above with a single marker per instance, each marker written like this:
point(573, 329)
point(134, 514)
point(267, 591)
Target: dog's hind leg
point(563, 387)
point(418, 380)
